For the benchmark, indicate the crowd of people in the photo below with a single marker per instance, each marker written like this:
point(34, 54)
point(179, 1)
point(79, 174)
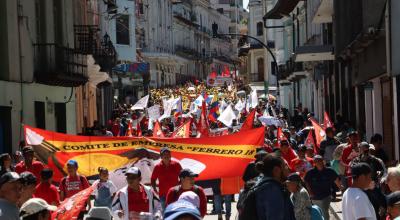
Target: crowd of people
point(290, 177)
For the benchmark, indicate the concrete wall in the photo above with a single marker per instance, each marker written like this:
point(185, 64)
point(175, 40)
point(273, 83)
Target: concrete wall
point(11, 96)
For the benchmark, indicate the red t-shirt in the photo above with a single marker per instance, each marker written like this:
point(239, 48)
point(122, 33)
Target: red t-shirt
point(168, 176)
point(348, 154)
point(35, 169)
point(48, 192)
point(138, 201)
point(72, 185)
point(173, 196)
point(301, 166)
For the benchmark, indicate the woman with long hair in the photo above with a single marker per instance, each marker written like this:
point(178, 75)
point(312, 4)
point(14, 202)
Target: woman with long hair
point(5, 163)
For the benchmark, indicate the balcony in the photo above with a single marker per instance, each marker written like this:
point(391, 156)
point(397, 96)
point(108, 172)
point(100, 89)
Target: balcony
point(87, 41)
point(187, 52)
point(59, 66)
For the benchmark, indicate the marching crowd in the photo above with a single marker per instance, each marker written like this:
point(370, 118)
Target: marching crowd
point(292, 176)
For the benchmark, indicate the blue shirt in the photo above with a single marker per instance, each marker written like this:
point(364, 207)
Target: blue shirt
point(320, 182)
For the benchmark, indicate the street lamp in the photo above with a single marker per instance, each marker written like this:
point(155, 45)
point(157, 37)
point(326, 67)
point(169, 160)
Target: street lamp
point(216, 34)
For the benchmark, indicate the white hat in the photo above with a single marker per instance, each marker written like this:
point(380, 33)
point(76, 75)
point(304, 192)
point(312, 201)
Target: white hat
point(191, 197)
point(102, 213)
point(35, 205)
point(134, 171)
point(371, 147)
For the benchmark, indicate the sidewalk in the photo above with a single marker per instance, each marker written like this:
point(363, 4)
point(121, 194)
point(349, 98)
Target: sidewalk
point(336, 208)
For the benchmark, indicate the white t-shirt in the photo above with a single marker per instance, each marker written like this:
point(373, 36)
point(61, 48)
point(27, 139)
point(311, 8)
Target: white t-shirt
point(356, 205)
point(110, 185)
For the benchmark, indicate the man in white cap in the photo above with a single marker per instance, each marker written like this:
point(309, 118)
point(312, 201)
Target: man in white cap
point(135, 198)
point(37, 209)
point(10, 194)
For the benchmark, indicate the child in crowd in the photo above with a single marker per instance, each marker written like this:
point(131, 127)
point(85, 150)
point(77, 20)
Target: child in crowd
point(104, 189)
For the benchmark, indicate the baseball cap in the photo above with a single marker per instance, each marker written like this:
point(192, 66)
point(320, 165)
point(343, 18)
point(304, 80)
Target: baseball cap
point(35, 205)
point(27, 149)
point(164, 150)
point(9, 177)
point(72, 163)
point(360, 169)
point(261, 153)
point(191, 197)
point(293, 177)
point(302, 148)
point(318, 157)
point(187, 173)
point(28, 178)
point(134, 171)
point(100, 213)
point(393, 198)
point(364, 145)
point(179, 208)
point(372, 147)
point(352, 132)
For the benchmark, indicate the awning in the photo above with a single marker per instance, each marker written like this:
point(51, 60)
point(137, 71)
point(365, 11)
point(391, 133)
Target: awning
point(282, 8)
point(314, 53)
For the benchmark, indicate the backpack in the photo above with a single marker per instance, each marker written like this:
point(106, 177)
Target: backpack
point(246, 204)
point(177, 188)
point(316, 213)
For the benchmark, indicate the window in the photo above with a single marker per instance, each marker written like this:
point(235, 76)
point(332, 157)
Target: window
point(260, 68)
point(259, 28)
point(123, 30)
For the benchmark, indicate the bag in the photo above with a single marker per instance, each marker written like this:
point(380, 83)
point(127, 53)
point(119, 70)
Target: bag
point(247, 202)
point(316, 213)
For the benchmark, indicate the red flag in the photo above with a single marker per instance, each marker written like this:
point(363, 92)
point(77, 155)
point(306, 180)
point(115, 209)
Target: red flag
point(279, 134)
point(319, 132)
point(248, 123)
point(183, 131)
point(202, 126)
point(327, 121)
point(138, 130)
point(129, 130)
point(310, 142)
point(72, 206)
point(157, 132)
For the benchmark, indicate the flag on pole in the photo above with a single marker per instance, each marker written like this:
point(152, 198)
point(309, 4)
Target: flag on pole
point(129, 130)
point(138, 130)
point(183, 131)
point(202, 126)
point(240, 105)
point(253, 99)
point(227, 116)
point(248, 123)
point(178, 110)
point(214, 110)
point(141, 104)
point(157, 131)
point(319, 132)
point(327, 121)
point(310, 142)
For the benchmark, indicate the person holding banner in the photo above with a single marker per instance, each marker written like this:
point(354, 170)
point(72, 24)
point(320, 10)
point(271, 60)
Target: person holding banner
point(73, 183)
point(135, 198)
point(29, 164)
point(167, 174)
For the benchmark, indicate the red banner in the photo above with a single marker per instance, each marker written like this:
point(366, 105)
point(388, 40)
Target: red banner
point(71, 207)
point(210, 157)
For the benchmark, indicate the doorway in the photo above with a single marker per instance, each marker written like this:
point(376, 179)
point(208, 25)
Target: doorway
point(5, 130)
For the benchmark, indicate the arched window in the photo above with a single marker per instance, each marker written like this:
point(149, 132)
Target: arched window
point(259, 28)
point(260, 69)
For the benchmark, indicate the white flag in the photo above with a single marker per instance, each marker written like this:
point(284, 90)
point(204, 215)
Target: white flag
point(199, 100)
point(222, 106)
point(154, 112)
point(141, 104)
point(167, 109)
point(227, 116)
point(239, 106)
point(254, 99)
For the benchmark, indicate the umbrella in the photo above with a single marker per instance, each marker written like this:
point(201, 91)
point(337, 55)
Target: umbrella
point(269, 120)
